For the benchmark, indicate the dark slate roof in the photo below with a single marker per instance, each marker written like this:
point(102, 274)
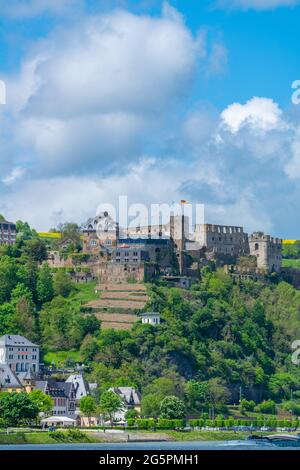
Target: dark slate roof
point(129, 394)
point(54, 387)
point(16, 340)
point(150, 314)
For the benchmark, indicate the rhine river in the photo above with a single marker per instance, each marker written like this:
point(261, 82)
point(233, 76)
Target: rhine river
point(188, 445)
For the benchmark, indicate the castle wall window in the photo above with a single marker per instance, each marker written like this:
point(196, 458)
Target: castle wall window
point(256, 247)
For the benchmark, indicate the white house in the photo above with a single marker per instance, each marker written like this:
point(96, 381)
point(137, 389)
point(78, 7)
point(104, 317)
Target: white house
point(131, 399)
point(152, 318)
point(19, 354)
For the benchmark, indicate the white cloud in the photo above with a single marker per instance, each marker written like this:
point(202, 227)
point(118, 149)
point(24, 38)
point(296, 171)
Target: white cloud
point(261, 114)
point(13, 176)
point(255, 4)
point(94, 95)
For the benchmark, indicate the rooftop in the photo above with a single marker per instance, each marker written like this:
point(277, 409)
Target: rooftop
point(7, 378)
point(150, 314)
point(16, 340)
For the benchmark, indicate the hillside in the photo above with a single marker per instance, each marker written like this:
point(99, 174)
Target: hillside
point(117, 305)
point(231, 338)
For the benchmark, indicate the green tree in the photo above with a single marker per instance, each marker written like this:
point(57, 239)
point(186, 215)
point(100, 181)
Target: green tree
point(62, 284)
point(172, 408)
point(89, 348)
point(36, 249)
point(132, 414)
point(42, 401)
point(17, 408)
point(44, 286)
point(27, 275)
point(8, 278)
point(88, 406)
point(267, 407)
point(247, 405)
point(70, 230)
point(217, 392)
point(24, 230)
point(25, 319)
point(110, 403)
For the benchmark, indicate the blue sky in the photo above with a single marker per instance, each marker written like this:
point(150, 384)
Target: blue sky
point(192, 96)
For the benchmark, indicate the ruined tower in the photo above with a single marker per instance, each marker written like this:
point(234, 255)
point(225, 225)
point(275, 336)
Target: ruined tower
point(267, 251)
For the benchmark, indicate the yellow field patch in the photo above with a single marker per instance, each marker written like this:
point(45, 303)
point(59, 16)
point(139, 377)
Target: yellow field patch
point(49, 234)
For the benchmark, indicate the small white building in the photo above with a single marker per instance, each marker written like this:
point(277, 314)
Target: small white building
point(131, 399)
point(81, 386)
point(152, 318)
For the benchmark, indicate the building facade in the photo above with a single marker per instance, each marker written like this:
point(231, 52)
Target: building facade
point(150, 318)
point(100, 232)
point(8, 233)
point(63, 395)
point(19, 354)
point(267, 250)
point(222, 240)
point(9, 382)
point(131, 399)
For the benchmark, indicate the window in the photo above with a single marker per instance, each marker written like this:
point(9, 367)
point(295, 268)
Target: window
point(256, 247)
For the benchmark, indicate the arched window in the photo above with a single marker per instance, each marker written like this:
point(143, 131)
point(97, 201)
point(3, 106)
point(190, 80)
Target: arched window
point(256, 247)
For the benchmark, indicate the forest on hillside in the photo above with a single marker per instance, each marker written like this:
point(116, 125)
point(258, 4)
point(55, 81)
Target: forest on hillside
point(218, 342)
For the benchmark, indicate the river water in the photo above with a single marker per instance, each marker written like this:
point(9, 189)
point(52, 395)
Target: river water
point(188, 445)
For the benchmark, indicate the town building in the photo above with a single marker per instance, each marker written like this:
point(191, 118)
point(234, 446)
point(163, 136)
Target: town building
point(131, 399)
point(20, 354)
point(8, 232)
point(9, 382)
point(63, 395)
point(81, 386)
point(151, 318)
point(100, 233)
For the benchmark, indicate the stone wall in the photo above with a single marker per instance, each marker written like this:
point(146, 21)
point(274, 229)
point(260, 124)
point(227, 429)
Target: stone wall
point(267, 250)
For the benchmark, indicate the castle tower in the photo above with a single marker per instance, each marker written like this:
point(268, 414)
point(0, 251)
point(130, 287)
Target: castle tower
point(267, 251)
point(179, 230)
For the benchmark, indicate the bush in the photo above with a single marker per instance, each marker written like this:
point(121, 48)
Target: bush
point(267, 407)
point(169, 423)
point(292, 406)
point(146, 423)
point(247, 405)
point(179, 423)
point(131, 422)
point(194, 423)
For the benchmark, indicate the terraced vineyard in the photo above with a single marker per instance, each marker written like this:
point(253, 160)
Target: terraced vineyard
point(118, 304)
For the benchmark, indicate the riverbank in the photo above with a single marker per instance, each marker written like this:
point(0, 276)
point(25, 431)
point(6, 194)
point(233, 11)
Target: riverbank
point(67, 437)
point(48, 438)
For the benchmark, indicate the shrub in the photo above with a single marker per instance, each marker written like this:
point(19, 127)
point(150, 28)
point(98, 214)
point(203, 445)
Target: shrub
point(292, 406)
point(169, 423)
point(131, 422)
point(179, 423)
point(247, 405)
point(194, 423)
point(267, 407)
point(145, 423)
